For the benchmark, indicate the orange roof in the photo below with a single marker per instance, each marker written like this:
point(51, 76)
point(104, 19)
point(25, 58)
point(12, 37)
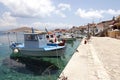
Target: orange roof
point(50, 32)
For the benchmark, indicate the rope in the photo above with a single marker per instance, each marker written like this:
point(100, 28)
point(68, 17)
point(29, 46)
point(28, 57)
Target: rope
point(47, 70)
point(63, 77)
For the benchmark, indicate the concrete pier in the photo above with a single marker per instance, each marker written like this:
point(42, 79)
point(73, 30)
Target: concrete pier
point(98, 59)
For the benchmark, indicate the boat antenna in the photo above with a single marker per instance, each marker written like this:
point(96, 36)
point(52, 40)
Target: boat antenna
point(32, 30)
point(46, 30)
point(8, 39)
point(16, 36)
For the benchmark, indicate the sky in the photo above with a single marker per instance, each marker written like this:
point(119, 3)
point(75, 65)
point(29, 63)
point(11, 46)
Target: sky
point(52, 14)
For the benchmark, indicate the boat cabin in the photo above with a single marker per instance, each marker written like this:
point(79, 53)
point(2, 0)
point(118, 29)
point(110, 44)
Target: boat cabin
point(35, 40)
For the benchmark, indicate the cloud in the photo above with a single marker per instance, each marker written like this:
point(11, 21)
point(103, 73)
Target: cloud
point(7, 21)
point(89, 14)
point(35, 8)
point(60, 13)
point(50, 26)
point(61, 8)
point(30, 8)
point(113, 12)
point(64, 6)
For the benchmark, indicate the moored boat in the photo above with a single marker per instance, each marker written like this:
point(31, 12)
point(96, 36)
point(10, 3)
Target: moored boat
point(38, 44)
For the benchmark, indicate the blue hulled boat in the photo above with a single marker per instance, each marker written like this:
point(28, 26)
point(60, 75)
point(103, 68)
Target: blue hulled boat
point(39, 44)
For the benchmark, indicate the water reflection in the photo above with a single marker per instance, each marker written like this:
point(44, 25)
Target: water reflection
point(31, 69)
point(31, 65)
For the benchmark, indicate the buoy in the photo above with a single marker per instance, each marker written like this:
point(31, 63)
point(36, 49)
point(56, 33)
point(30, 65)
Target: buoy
point(16, 51)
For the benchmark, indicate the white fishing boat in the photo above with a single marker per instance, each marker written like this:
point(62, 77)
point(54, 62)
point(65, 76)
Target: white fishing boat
point(36, 44)
point(68, 37)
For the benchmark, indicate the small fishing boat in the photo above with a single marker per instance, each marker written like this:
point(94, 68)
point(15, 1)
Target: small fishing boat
point(68, 37)
point(39, 44)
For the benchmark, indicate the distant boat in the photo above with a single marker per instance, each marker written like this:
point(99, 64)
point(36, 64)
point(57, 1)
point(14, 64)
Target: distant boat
point(39, 44)
point(68, 37)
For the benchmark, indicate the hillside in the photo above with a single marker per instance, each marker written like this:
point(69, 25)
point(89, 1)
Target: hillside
point(23, 29)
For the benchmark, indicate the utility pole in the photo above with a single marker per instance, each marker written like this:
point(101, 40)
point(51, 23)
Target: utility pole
point(88, 34)
point(16, 37)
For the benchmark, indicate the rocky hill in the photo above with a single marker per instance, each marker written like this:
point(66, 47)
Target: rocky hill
point(24, 29)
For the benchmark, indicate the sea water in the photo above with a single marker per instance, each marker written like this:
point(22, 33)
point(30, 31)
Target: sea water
point(32, 69)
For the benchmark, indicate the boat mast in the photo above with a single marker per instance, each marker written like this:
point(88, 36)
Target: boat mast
point(32, 30)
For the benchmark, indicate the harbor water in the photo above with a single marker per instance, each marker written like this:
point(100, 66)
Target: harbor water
point(31, 68)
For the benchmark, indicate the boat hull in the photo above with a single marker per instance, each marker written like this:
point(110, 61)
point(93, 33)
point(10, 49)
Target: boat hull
point(43, 53)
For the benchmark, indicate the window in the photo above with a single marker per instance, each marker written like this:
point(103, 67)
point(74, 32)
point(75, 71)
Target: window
point(40, 37)
point(31, 37)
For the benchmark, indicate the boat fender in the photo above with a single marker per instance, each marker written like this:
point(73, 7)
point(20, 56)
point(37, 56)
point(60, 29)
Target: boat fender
point(63, 41)
point(16, 51)
point(13, 44)
point(55, 39)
